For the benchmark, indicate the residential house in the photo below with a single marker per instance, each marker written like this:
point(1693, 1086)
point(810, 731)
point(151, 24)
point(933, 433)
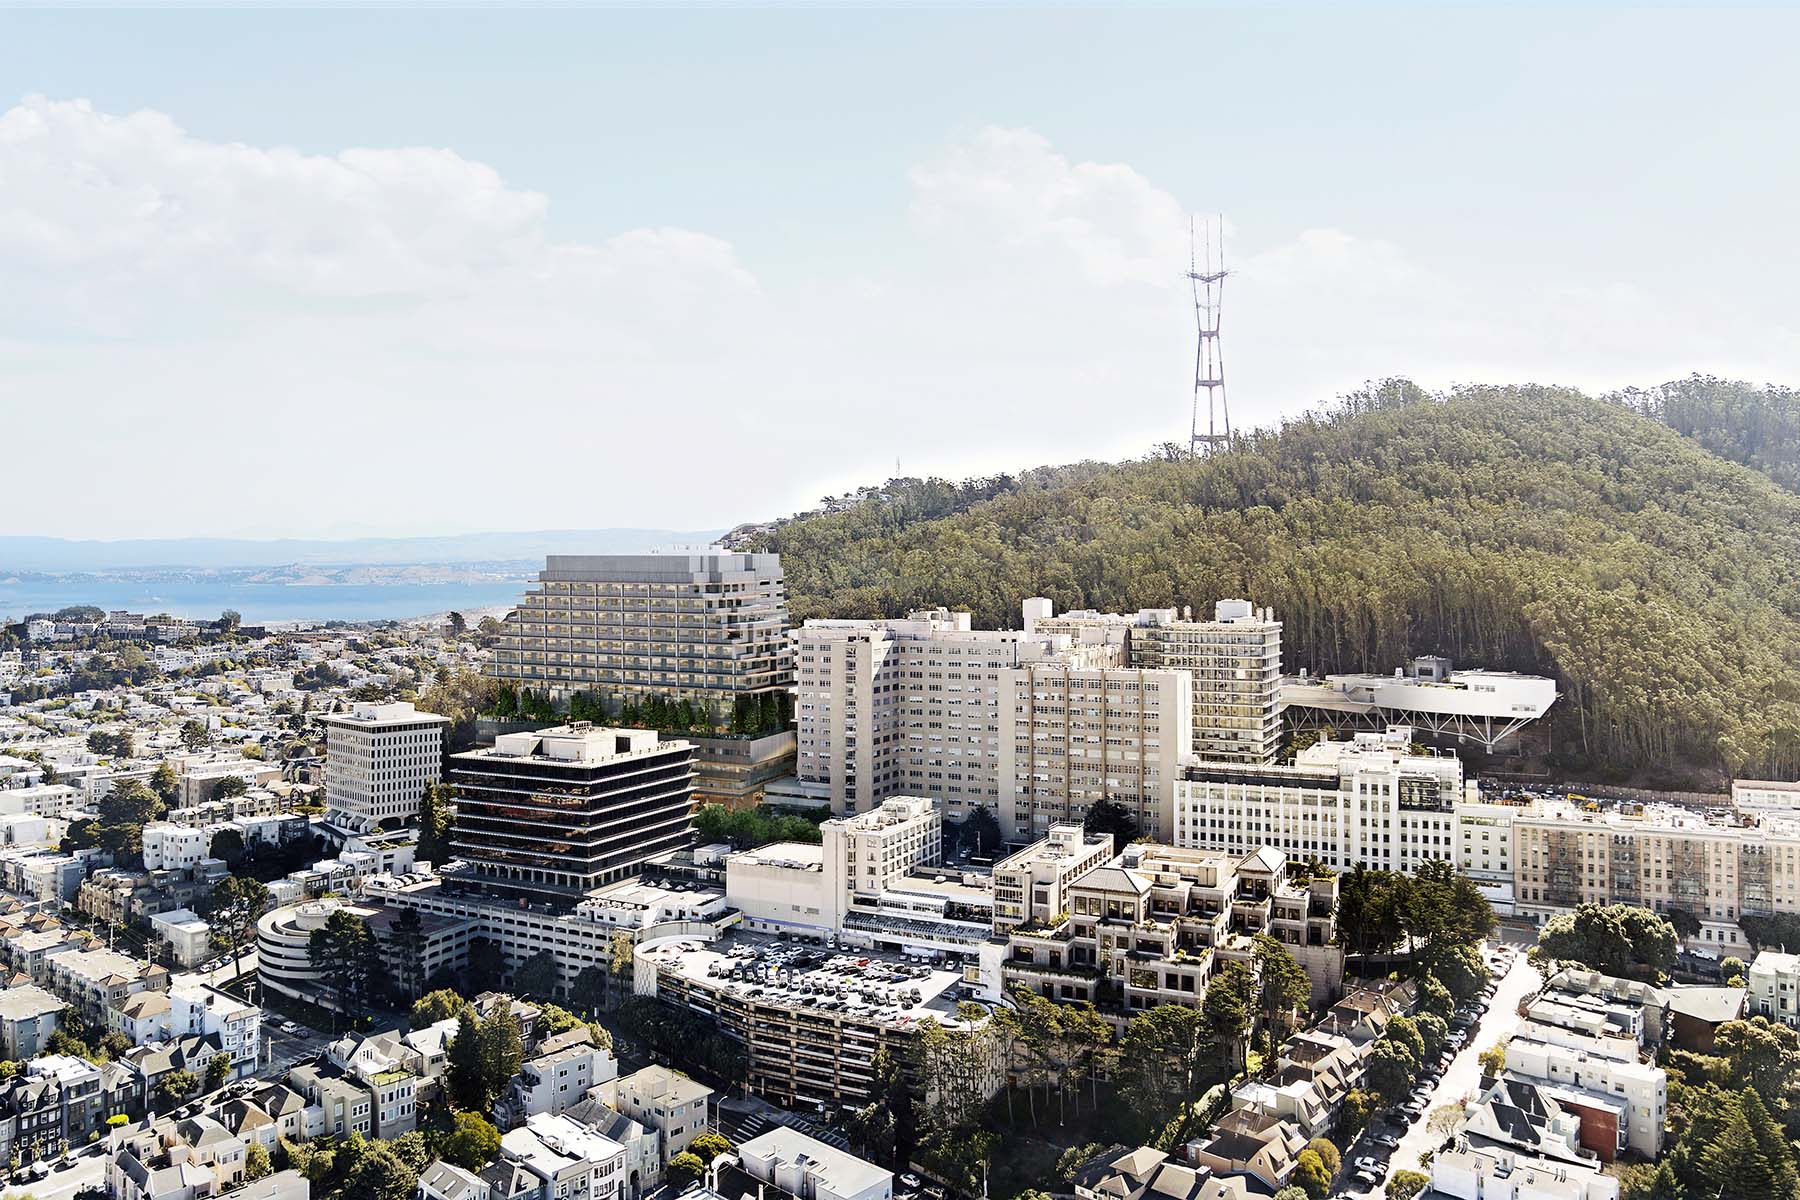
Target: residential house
point(143, 1018)
point(553, 1082)
point(28, 1017)
point(1145, 1173)
point(664, 1100)
point(1256, 1145)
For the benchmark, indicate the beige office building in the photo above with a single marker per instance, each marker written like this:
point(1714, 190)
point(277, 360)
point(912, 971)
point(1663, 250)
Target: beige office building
point(701, 627)
point(1661, 858)
point(1234, 661)
point(1084, 732)
point(901, 707)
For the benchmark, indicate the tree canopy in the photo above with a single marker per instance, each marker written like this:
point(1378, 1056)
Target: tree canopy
point(1618, 939)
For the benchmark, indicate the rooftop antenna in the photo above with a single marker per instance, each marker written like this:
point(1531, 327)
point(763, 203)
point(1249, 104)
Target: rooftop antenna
point(1207, 282)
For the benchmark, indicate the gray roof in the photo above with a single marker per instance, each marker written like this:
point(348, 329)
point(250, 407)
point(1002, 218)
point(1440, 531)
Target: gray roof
point(1713, 1005)
point(451, 1181)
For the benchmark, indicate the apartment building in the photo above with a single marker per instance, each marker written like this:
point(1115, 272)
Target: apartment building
point(170, 847)
point(188, 938)
point(1662, 858)
point(1234, 661)
point(663, 1100)
point(552, 815)
point(707, 628)
point(198, 1010)
point(1620, 1102)
point(28, 1016)
point(554, 1158)
point(379, 759)
point(98, 981)
point(553, 1082)
point(1774, 980)
point(42, 800)
point(1369, 801)
point(1151, 926)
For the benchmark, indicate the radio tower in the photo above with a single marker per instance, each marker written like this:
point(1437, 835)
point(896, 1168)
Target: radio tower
point(1208, 284)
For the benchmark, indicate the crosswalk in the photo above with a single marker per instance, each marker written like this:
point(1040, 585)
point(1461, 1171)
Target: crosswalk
point(758, 1123)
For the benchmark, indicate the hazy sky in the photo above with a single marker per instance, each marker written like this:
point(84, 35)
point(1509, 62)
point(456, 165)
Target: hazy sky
point(326, 273)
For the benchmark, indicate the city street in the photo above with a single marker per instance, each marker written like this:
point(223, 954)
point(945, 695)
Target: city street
point(88, 1171)
point(1460, 1080)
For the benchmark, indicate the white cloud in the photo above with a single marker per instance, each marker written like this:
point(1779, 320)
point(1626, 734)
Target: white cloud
point(266, 341)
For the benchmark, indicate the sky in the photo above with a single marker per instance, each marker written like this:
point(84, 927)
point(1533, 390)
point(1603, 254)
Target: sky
point(418, 271)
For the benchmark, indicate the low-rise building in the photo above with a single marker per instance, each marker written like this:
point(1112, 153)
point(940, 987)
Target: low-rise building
point(1621, 1102)
point(188, 937)
point(805, 1167)
point(196, 1009)
point(172, 847)
point(97, 981)
point(1467, 1173)
point(666, 1101)
point(1145, 1173)
point(1150, 928)
point(1774, 979)
point(553, 1082)
point(554, 1158)
point(1253, 1145)
point(28, 1016)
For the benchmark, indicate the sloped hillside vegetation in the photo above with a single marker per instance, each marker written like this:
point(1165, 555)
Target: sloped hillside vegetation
point(1525, 527)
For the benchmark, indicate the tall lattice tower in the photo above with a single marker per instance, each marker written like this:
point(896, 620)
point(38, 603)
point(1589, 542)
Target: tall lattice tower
point(1207, 279)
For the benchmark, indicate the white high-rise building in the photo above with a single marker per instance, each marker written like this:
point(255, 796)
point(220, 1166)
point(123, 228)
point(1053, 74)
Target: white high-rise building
point(1369, 801)
point(901, 707)
point(379, 759)
point(1033, 726)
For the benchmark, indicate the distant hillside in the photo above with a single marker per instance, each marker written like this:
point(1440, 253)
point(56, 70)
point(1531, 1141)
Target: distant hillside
point(1525, 527)
point(59, 554)
point(1758, 427)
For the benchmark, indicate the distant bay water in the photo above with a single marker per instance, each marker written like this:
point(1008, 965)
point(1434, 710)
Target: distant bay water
point(258, 602)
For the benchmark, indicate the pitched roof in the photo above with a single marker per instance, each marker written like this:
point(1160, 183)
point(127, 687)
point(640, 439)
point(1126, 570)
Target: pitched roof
point(451, 1181)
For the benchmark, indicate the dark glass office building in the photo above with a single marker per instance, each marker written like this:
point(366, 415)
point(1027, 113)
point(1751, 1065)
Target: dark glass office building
point(551, 815)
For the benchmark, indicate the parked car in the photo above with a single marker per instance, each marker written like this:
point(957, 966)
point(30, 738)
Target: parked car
point(1386, 1141)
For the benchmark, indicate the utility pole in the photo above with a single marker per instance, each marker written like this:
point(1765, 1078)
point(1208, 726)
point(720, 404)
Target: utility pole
point(1206, 280)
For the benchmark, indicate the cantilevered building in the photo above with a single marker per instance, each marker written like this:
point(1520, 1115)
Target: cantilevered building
point(707, 628)
point(554, 814)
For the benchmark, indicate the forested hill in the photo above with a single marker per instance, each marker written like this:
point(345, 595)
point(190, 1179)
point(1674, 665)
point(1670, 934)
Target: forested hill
point(1759, 427)
point(1527, 527)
